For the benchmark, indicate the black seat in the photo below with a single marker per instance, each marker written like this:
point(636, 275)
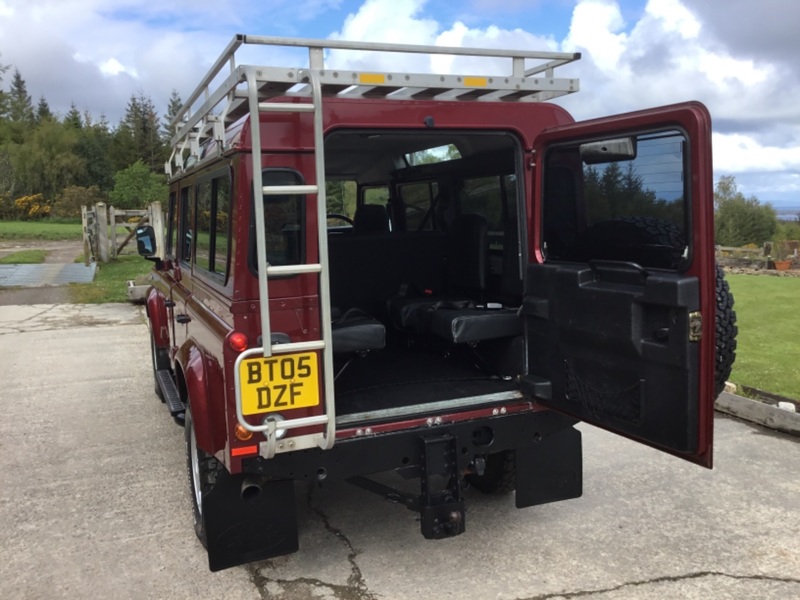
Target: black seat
point(355, 332)
point(370, 218)
point(471, 325)
point(466, 271)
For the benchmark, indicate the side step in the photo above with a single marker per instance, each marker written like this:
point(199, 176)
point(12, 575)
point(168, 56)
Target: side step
point(171, 395)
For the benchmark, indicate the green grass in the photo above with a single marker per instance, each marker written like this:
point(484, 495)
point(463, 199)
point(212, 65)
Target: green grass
point(24, 257)
point(768, 351)
point(40, 230)
point(110, 282)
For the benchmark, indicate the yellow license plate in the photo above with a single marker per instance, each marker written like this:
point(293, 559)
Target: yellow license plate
point(280, 382)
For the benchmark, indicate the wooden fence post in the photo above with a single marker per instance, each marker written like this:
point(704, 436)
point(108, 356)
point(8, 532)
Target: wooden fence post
point(102, 233)
point(87, 249)
point(157, 222)
point(112, 233)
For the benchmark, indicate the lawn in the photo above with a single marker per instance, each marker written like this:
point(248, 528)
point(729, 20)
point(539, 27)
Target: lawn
point(40, 230)
point(768, 352)
point(24, 257)
point(110, 282)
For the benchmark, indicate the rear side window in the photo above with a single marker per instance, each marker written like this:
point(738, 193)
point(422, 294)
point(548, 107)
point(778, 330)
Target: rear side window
point(284, 221)
point(622, 200)
point(417, 201)
point(185, 233)
point(213, 221)
point(172, 225)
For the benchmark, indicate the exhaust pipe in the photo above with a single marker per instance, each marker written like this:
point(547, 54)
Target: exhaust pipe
point(251, 488)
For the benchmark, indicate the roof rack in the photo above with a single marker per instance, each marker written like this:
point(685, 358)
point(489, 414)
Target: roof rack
point(224, 103)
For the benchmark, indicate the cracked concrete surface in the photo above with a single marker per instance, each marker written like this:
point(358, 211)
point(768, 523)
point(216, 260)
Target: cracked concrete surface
point(94, 502)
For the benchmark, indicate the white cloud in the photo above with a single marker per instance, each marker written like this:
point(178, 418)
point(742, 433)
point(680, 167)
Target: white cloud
point(738, 153)
point(596, 29)
point(113, 67)
point(98, 52)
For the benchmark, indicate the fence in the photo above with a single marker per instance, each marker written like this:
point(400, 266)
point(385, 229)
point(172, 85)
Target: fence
point(102, 224)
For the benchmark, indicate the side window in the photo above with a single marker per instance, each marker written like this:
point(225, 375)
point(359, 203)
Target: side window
point(284, 221)
point(376, 195)
point(213, 219)
point(484, 195)
point(185, 234)
point(495, 198)
point(172, 224)
point(341, 198)
point(203, 252)
point(417, 200)
point(623, 199)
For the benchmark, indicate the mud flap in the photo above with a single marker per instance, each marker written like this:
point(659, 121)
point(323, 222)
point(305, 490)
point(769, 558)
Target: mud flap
point(248, 519)
point(551, 469)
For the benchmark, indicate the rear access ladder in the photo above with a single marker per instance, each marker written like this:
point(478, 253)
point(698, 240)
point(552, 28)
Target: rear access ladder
point(248, 89)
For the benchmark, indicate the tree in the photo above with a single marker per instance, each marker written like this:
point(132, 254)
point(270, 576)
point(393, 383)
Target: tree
point(73, 197)
point(175, 104)
point(19, 113)
point(46, 162)
point(739, 220)
point(20, 108)
point(138, 136)
point(43, 112)
point(3, 95)
point(137, 186)
point(73, 117)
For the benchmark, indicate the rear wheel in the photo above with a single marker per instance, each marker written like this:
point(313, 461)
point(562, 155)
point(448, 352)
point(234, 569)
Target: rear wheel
point(203, 471)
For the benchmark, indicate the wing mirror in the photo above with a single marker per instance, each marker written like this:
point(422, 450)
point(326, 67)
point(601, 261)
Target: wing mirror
point(146, 242)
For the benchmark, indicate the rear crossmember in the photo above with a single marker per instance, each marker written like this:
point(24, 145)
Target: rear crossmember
point(252, 516)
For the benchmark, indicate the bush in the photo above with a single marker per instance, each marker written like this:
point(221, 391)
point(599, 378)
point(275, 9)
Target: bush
point(69, 203)
point(7, 211)
point(31, 208)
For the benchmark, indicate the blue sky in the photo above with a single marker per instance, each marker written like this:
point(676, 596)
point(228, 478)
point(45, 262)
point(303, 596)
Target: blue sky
point(739, 57)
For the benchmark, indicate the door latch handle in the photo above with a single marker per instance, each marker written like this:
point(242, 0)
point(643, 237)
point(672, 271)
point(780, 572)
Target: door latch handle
point(183, 319)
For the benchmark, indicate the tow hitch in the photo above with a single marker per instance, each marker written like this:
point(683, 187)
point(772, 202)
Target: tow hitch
point(439, 503)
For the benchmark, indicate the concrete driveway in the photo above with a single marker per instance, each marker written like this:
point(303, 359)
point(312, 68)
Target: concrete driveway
point(94, 502)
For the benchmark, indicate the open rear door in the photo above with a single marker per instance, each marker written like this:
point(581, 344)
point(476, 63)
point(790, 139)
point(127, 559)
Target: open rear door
point(619, 302)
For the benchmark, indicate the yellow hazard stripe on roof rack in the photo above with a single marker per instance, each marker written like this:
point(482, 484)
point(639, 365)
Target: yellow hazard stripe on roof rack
point(476, 81)
point(371, 78)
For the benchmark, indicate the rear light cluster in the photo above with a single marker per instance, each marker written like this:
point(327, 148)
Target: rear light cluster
point(237, 341)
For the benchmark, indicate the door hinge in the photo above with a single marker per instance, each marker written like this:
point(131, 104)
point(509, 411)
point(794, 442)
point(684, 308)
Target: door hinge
point(695, 326)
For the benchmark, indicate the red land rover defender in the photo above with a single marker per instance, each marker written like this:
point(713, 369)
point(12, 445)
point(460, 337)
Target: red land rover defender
point(439, 275)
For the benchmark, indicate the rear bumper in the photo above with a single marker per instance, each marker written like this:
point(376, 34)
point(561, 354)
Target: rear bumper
point(400, 450)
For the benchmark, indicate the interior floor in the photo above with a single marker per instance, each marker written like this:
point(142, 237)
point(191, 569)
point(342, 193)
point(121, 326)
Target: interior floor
point(403, 375)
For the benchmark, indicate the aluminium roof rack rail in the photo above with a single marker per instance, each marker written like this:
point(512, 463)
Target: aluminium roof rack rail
point(530, 78)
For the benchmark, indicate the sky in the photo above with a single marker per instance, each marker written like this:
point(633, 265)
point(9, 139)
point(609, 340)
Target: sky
point(739, 57)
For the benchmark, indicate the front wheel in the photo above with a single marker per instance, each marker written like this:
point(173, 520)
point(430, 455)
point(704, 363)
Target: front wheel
point(203, 471)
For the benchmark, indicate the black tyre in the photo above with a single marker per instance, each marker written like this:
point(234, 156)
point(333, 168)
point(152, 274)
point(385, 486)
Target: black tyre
point(160, 358)
point(500, 475)
point(203, 471)
point(647, 241)
point(726, 333)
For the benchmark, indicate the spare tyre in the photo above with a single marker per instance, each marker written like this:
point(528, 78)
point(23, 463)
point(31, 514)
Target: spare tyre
point(653, 242)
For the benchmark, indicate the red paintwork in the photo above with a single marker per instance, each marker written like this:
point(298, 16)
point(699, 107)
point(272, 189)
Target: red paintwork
point(206, 363)
point(157, 314)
